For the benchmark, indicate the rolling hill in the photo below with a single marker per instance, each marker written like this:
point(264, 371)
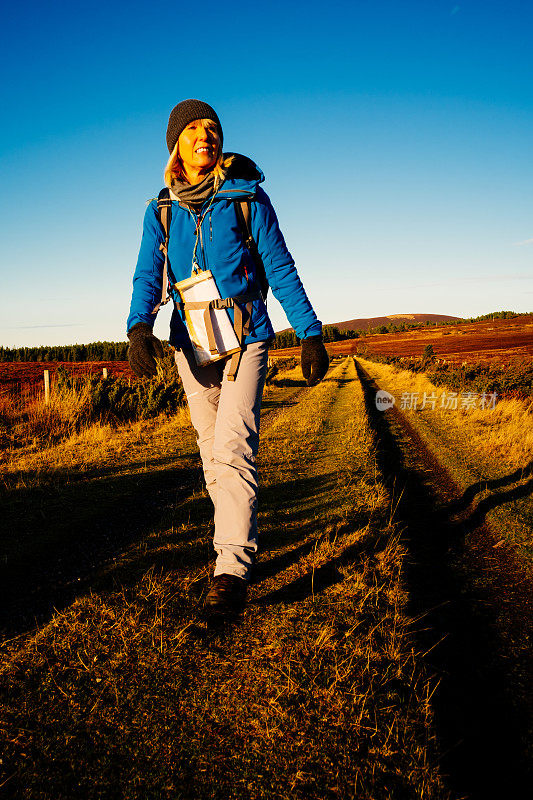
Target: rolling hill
point(396, 319)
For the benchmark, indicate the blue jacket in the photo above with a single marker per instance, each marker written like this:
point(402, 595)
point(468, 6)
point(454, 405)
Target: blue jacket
point(221, 249)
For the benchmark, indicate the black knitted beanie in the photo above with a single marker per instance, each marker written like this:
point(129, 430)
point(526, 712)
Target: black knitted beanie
point(186, 112)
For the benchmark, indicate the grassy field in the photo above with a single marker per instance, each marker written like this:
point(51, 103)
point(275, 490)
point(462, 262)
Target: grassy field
point(465, 484)
point(112, 684)
point(491, 448)
point(497, 342)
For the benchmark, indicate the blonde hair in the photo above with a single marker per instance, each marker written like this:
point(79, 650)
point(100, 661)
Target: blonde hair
point(174, 169)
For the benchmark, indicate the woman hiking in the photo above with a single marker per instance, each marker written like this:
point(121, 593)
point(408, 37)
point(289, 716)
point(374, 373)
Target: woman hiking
point(206, 192)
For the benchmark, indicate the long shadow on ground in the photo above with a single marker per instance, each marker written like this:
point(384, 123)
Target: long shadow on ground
point(98, 529)
point(103, 533)
point(73, 474)
point(57, 538)
point(481, 712)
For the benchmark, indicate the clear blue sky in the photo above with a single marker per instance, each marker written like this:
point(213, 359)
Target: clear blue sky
point(396, 139)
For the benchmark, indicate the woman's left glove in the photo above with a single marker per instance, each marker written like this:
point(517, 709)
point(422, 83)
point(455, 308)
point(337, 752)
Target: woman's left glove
point(143, 350)
point(315, 359)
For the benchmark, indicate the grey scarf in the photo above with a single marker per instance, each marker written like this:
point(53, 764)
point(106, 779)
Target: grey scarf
point(194, 195)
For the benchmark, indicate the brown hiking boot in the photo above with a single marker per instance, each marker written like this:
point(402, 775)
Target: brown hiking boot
point(227, 596)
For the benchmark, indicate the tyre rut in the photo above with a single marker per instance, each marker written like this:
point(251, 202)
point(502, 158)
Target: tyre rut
point(482, 708)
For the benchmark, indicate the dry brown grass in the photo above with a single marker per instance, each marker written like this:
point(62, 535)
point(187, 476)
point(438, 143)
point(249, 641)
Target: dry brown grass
point(96, 445)
point(502, 436)
point(488, 453)
point(319, 693)
point(35, 424)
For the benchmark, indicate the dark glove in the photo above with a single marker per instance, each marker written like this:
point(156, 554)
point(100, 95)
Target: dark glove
point(143, 350)
point(315, 359)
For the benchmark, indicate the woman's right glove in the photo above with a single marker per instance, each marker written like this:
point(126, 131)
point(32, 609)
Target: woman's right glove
point(314, 359)
point(143, 350)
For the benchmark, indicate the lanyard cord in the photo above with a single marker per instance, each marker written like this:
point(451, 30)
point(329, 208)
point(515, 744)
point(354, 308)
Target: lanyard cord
point(195, 268)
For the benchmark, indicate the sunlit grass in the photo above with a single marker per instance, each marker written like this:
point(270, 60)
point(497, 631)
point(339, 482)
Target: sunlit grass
point(502, 435)
point(318, 693)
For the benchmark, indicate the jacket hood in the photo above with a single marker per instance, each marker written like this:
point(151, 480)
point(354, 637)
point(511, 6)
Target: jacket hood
point(242, 177)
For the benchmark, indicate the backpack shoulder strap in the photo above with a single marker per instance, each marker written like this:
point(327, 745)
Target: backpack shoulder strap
point(242, 208)
point(164, 208)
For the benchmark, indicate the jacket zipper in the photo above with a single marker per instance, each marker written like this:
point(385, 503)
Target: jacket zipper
point(202, 244)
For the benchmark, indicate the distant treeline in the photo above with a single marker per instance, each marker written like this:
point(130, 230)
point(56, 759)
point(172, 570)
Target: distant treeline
point(96, 351)
point(117, 351)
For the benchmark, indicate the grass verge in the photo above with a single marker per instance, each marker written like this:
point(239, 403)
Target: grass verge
point(319, 692)
point(488, 452)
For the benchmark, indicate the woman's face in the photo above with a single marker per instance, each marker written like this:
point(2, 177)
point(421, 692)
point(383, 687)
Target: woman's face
point(198, 146)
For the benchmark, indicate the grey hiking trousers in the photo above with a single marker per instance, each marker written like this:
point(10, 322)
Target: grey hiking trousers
point(225, 415)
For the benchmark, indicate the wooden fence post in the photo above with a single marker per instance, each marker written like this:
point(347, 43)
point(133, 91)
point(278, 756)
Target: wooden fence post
point(104, 372)
point(46, 387)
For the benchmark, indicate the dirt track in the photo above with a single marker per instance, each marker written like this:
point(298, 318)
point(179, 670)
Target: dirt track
point(476, 602)
point(321, 557)
point(317, 694)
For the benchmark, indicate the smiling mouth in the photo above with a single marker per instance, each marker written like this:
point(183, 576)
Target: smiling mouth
point(208, 150)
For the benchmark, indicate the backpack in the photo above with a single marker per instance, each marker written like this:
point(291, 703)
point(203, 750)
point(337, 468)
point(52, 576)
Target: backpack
point(242, 210)
point(238, 303)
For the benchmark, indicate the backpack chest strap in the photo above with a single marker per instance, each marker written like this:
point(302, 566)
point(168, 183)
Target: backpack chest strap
point(241, 322)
